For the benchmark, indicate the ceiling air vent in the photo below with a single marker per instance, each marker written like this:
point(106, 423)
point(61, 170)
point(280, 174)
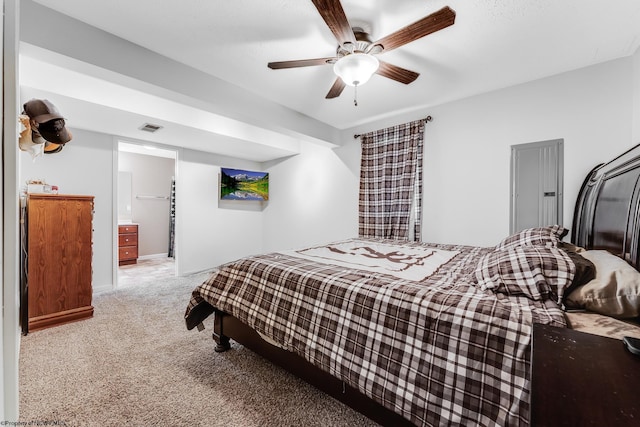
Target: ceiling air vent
point(148, 127)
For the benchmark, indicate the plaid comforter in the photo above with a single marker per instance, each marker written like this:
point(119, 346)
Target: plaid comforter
point(437, 351)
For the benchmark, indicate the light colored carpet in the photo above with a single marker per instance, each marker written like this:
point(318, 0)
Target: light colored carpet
point(134, 363)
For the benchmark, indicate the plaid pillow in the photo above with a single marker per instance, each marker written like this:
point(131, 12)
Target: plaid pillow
point(535, 272)
point(540, 236)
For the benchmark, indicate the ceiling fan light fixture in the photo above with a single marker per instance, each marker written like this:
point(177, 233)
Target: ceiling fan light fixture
point(356, 69)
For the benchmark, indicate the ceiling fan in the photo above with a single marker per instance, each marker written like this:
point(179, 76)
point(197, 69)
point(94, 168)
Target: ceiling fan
point(355, 60)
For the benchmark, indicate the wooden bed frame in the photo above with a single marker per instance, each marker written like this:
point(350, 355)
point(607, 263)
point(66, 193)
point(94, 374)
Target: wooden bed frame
point(607, 211)
point(606, 216)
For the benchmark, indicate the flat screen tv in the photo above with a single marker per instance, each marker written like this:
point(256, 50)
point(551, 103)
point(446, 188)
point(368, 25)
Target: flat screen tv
point(239, 184)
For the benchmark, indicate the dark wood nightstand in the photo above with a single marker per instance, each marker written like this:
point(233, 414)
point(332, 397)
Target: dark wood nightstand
point(580, 379)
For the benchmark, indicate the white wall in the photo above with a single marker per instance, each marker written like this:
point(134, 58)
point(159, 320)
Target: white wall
point(84, 166)
point(313, 197)
point(210, 232)
point(467, 146)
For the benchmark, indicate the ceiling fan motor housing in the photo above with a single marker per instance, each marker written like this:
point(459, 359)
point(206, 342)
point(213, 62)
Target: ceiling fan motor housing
point(363, 44)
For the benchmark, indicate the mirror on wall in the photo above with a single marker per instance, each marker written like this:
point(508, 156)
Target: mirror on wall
point(124, 197)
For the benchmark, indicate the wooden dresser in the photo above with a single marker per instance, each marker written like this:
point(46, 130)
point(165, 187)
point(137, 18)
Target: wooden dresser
point(127, 244)
point(58, 262)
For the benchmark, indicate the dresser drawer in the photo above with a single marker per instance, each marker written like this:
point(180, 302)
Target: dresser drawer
point(126, 253)
point(127, 240)
point(131, 228)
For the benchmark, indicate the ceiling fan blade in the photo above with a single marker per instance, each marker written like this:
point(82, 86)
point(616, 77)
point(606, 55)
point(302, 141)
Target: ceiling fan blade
point(301, 63)
point(335, 18)
point(396, 73)
point(336, 89)
point(425, 26)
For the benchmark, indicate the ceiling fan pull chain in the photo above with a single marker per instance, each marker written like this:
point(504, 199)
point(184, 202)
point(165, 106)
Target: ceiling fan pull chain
point(355, 95)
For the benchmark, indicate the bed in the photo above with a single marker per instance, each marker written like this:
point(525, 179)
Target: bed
point(426, 334)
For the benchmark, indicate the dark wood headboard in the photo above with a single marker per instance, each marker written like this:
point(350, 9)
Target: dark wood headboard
point(607, 212)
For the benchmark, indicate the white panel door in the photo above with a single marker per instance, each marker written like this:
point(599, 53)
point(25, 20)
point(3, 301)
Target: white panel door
point(536, 184)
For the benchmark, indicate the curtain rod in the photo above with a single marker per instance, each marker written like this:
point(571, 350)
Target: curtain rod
point(426, 119)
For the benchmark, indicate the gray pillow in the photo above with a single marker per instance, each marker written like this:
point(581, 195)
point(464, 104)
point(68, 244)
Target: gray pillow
point(615, 291)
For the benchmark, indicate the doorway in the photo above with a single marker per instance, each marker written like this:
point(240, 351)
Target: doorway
point(537, 171)
point(146, 213)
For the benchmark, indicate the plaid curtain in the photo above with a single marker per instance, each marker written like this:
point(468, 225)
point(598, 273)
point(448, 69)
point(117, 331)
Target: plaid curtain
point(391, 182)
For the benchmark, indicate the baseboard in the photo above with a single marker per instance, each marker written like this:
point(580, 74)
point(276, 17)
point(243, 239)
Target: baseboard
point(192, 272)
point(153, 256)
point(59, 318)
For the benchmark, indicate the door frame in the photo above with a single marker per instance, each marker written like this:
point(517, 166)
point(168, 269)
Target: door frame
point(116, 151)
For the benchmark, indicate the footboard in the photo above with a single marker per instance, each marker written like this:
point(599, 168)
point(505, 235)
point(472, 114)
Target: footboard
point(227, 326)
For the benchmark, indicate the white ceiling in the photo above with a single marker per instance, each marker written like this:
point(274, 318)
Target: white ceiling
point(493, 44)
